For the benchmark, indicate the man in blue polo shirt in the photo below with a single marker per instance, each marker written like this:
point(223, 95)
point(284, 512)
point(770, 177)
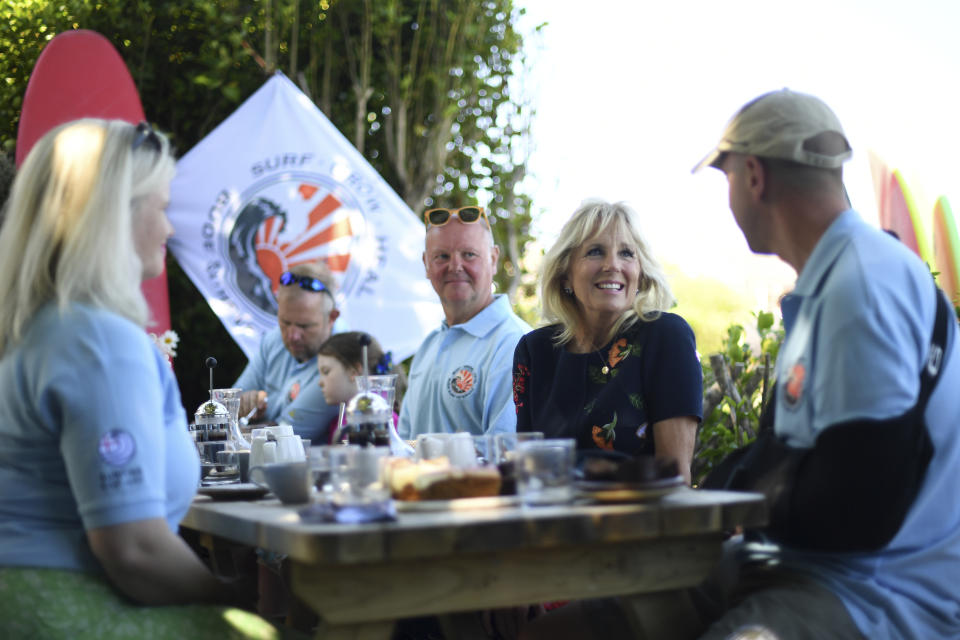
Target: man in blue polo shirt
point(460, 379)
point(281, 378)
point(859, 327)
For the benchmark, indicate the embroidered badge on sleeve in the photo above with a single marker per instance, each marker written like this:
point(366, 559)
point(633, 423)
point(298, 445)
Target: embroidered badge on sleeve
point(116, 447)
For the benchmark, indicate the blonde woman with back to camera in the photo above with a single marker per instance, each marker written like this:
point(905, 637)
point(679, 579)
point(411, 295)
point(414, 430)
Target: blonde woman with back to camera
point(613, 370)
point(97, 465)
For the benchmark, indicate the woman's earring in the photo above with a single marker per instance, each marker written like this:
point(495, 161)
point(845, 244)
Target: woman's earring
point(568, 291)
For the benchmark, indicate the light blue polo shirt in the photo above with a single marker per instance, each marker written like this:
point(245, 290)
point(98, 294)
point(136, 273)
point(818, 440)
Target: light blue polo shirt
point(293, 395)
point(92, 434)
point(859, 325)
point(461, 378)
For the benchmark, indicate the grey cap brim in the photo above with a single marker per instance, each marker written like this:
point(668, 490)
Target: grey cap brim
point(712, 159)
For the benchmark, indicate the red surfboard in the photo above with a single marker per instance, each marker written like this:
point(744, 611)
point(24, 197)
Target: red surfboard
point(80, 75)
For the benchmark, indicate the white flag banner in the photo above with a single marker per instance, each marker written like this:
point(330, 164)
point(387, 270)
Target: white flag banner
point(275, 185)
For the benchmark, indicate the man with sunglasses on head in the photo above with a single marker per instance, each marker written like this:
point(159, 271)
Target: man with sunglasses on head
point(281, 379)
point(461, 379)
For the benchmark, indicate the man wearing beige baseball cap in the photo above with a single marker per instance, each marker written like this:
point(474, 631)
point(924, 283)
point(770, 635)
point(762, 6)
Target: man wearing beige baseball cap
point(864, 534)
point(859, 454)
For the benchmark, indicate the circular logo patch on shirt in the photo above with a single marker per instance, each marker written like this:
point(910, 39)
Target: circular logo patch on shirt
point(116, 447)
point(461, 382)
point(793, 387)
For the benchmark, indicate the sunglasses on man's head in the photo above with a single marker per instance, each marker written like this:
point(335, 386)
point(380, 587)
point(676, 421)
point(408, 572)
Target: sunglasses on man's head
point(146, 134)
point(440, 217)
point(305, 282)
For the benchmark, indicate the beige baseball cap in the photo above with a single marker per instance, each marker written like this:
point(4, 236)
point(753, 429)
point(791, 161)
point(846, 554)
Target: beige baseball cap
point(780, 124)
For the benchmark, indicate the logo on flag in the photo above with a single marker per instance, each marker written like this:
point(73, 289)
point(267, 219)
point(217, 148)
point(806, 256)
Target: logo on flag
point(276, 185)
point(284, 221)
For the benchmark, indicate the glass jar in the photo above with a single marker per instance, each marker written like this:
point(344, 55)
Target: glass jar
point(211, 422)
point(368, 420)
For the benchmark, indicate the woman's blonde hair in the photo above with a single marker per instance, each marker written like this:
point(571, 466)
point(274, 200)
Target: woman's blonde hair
point(591, 218)
point(68, 231)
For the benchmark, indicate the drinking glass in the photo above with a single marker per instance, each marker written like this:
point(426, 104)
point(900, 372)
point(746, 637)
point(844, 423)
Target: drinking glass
point(506, 443)
point(227, 469)
point(431, 445)
point(484, 448)
point(208, 458)
point(384, 386)
point(320, 465)
point(356, 475)
point(230, 398)
point(545, 470)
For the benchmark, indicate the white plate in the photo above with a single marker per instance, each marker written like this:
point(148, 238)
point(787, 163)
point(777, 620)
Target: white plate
point(628, 491)
point(235, 491)
point(460, 504)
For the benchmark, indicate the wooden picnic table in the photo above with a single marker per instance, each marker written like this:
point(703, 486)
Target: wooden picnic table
point(361, 578)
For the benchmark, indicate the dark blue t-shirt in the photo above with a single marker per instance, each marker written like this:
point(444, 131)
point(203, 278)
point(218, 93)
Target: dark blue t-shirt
point(653, 374)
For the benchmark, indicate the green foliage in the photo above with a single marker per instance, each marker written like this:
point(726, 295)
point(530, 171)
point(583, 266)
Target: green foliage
point(737, 382)
point(422, 88)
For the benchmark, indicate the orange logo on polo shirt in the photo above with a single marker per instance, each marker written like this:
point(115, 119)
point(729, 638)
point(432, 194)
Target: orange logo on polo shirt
point(793, 388)
point(462, 381)
point(294, 391)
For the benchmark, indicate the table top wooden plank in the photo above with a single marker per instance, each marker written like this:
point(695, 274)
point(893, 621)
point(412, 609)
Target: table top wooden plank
point(273, 526)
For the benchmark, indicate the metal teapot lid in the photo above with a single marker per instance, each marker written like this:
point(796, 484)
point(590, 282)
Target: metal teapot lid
point(368, 407)
point(211, 412)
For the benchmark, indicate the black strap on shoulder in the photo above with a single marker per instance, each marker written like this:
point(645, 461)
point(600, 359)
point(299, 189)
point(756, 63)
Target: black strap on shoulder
point(853, 489)
point(938, 349)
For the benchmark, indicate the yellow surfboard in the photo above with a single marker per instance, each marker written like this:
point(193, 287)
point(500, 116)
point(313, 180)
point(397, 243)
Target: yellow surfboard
point(946, 248)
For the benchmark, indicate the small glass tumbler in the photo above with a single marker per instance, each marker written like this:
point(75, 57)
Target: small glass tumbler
point(356, 475)
point(545, 471)
point(505, 444)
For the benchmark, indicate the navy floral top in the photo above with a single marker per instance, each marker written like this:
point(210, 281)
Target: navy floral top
point(653, 374)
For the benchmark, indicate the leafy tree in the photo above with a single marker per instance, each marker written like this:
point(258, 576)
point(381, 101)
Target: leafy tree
point(737, 383)
point(423, 88)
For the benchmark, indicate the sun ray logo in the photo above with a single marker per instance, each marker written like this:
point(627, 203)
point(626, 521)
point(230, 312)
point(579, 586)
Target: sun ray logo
point(462, 382)
point(286, 220)
point(793, 389)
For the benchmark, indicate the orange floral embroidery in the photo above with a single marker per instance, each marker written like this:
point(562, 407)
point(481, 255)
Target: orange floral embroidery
point(604, 436)
point(618, 352)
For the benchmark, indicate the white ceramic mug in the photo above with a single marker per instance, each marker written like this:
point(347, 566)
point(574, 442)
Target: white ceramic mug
point(291, 482)
point(269, 452)
point(280, 430)
point(290, 448)
point(256, 448)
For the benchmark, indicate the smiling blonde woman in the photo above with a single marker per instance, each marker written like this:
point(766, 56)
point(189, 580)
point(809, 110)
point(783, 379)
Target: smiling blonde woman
point(613, 370)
